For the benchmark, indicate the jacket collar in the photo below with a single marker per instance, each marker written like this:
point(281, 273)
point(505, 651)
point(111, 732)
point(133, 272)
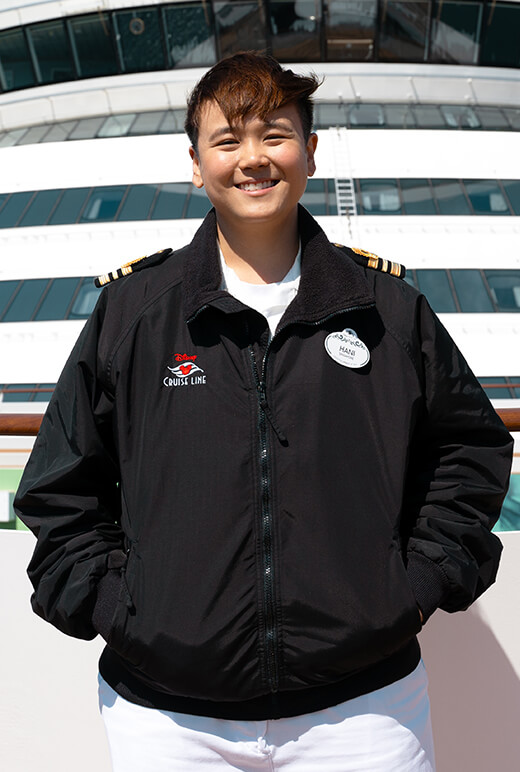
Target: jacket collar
point(330, 282)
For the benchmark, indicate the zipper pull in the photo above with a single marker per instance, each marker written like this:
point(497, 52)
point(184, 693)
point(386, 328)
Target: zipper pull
point(270, 417)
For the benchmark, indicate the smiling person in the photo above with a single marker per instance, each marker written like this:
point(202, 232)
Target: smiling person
point(263, 469)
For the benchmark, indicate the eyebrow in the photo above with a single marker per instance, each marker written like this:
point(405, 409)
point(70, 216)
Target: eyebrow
point(276, 124)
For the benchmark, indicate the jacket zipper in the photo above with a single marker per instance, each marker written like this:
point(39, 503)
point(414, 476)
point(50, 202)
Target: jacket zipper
point(268, 575)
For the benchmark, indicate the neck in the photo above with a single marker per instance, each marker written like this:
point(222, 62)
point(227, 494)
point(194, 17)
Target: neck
point(259, 255)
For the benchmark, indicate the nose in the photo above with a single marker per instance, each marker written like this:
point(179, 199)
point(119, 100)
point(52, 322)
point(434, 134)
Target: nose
point(252, 155)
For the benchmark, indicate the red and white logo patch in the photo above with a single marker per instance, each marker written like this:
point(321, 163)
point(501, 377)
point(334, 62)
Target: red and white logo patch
point(187, 373)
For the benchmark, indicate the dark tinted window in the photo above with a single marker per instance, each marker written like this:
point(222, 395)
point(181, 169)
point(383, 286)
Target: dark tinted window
point(40, 208)
point(53, 55)
point(314, 198)
point(350, 30)
point(7, 289)
point(471, 292)
point(500, 44)
point(379, 197)
point(450, 197)
point(512, 189)
point(456, 31)
point(403, 30)
point(15, 63)
point(92, 40)
point(85, 300)
point(505, 289)
point(57, 300)
point(486, 197)
point(13, 209)
point(169, 204)
point(103, 204)
point(435, 285)
point(240, 26)
point(18, 392)
point(417, 197)
point(190, 34)
point(45, 394)
point(295, 29)
point(140, 41)
point(24, 304)
point(69, 206)
point(198, 204)
point(137, 204)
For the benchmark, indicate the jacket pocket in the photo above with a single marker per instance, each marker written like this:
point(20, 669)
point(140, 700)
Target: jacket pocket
point(118, 638)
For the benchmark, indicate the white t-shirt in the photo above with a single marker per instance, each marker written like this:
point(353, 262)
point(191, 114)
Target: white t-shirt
point(270, 300)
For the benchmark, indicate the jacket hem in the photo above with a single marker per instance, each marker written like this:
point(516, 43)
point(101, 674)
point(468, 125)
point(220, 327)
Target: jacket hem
point(269, 706)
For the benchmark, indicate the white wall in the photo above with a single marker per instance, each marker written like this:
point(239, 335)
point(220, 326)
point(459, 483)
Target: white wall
point(48, 702)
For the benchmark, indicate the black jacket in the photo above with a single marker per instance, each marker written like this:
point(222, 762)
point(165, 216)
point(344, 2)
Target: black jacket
point(252, 526)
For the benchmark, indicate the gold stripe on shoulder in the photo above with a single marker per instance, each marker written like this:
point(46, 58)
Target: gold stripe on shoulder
point(127, 268)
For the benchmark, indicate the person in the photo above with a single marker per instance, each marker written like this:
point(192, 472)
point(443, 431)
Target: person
point(264, 467)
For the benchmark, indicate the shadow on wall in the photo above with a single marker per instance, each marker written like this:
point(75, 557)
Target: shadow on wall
point(474, 693)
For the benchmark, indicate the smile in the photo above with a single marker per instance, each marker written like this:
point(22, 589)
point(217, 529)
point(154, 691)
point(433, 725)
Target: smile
point(250, 186)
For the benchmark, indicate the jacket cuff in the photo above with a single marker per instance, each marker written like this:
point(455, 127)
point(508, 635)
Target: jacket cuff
point(429, 584)
point(108, 590)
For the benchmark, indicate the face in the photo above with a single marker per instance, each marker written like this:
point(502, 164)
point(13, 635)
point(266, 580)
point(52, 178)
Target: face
point(255, 172)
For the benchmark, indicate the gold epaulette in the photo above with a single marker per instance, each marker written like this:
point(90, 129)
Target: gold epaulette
point(369, 260)
point(134, 265)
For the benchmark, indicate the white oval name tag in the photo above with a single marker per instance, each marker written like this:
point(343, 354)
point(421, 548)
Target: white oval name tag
point(347, 349)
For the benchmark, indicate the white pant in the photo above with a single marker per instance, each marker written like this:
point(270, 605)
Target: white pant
point(387, 730)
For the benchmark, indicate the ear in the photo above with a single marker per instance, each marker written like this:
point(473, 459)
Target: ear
point(311, 149)
point(197, 175)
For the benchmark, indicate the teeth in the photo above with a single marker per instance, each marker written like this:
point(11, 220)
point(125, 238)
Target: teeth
point(257, 185)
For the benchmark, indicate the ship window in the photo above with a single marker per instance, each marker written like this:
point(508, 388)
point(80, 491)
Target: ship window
point(403, 30)
point(436, 286)
point(136, 205)
point(495, 388)
point(332, 202)
point(510, 515)
point(190, 34)
point(450, 197)
point(14, 208)
point(15, 62)
point(456, 31)
point(3, 197)
point(379, 197)
point(400, 117)
point(85, 300)
point(366, 116)
point(417, 197)
point(295, 29)
point(117, 125)
point(7, 289)
point(500, 45)
point(59, 131)
point(11, 138)
point(57, 300)
point(429, 117)
point(173, 122)
point(460, 117)
point(46, 392)
point(103, 204)
point(169, 204)
point(314, 198)
point(146, 123)
point(26, 301)
point(52, 51)
point(505, 289)
point(492, 118)
point(40, 208)
point(69, 206)
point(33, 135)
point(18, 392)
point(486, 197)
point(139, 39)
point(198, 203)
point(471, 292)
point(87, 128)
point(513, 116)
point(512, 189)
point(350, 30)
point(240, 26)
point(92, 42)
point(326, 115)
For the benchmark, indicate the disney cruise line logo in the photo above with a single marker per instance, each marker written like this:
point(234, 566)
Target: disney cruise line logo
point(186, 374)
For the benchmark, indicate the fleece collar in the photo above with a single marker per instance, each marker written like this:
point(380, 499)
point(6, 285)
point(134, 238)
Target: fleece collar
point(330, 280)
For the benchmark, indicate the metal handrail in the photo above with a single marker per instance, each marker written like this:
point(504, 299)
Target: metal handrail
point(27, 424)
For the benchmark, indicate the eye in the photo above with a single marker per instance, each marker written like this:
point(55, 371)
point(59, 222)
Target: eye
point(229, 141)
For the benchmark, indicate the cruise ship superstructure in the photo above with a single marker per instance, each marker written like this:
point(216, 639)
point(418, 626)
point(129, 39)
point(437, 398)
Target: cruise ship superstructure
point(418, 161)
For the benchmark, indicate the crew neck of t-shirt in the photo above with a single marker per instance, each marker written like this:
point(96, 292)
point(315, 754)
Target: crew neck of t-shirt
point(270, 300)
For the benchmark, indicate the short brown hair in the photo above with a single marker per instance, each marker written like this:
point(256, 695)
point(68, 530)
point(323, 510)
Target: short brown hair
point(250, 83)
